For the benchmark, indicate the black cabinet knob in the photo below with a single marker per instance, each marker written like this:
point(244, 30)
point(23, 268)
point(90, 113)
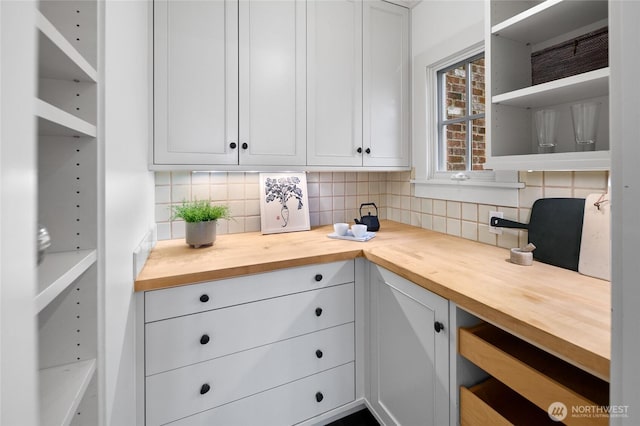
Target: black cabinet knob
point(318, 277)
point(204, 339)
point(319, 396)
point(438, 326)
point(359, 150)
point(204, 298)
point(368, 150)
point(245, 145)
point(318, 312)
point(319, 353)
point(204, 389)
point(233, 145)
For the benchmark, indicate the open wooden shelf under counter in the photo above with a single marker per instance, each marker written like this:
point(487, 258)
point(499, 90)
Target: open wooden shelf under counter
point(533, 373)
point(493, 403)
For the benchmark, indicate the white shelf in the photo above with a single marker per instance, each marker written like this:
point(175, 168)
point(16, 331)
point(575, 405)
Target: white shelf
point(55, 122)
point(556, 17)
point(590, 84)
point(594, 160)
point(57, 58)
point(62, 389)
point(59, 270)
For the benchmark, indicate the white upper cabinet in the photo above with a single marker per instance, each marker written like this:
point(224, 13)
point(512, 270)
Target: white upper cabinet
point(195, 82)
point(293, 83)
point(272, 82)
point(518, 31)
point(334, 78)
point(229, 83)
point(386, 85)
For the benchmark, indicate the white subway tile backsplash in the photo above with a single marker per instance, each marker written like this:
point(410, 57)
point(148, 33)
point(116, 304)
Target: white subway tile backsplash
point(439, 224)
point(469, 230)
point(470, 212)
point(454, 227)
point(337, 196)
point(439, 207)
point(163, 194)
point(553, 192)
point(454, 209)
point(558, 179)
point(594, 180)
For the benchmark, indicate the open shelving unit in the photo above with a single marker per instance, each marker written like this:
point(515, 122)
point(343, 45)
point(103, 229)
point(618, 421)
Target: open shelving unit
point(516, 29)
point(66, 108)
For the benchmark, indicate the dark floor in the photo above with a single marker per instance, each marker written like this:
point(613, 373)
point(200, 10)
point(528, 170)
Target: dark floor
point(359, 418)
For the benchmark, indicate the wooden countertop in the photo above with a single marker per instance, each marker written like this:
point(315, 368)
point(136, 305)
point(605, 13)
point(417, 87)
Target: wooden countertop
point(561, 311)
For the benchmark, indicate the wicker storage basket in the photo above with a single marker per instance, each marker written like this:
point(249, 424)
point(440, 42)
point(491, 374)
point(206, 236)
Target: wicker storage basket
point(585, 53)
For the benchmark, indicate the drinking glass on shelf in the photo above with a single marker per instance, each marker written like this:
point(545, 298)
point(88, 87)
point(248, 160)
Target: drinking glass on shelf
point(585, 124)
point(546, 129)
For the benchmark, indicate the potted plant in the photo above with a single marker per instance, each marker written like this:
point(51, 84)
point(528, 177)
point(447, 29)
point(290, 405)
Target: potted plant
point(201, 220)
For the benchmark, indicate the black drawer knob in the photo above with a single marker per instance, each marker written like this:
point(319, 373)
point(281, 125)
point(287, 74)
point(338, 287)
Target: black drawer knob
point(319, 353)
point(204, 298)
point(368, 150)
point(359, 150)
point(319, 396)
point(318, 312)
point(204, 339)
point(204, 389)
point(318, 277)
point(245, 145)
point(233, 145)
point(438, 326)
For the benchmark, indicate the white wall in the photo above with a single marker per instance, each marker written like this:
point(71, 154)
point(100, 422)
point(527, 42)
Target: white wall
point(18, 353)
point(439, 28)
point(625, 178)
point(128, 194)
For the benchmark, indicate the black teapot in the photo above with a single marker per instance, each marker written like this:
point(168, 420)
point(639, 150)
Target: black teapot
point(372, 222)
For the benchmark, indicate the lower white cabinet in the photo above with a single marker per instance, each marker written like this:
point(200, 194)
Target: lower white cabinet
point(284, 405)
point(277, 356)
point(409, 350)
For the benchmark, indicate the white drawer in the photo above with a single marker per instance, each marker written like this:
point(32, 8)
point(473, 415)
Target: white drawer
point(181, 341)
point(189, 299)
point(189, 390)
point(285, 405)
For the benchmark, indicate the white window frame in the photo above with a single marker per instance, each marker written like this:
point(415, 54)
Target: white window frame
point(484, 187)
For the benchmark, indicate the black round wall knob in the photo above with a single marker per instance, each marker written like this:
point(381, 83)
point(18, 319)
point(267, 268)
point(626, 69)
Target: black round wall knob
point(205, 388)
point(318, 312)
point(319, 353)
point(204, 339)
point(319, 396)
point(204, 298)
point(318, 277)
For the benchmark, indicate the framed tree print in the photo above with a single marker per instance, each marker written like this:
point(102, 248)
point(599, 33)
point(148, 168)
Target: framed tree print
point(284, 203)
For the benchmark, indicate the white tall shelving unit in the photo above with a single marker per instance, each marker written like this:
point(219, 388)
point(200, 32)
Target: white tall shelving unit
point(515, 29)
point(67, 146)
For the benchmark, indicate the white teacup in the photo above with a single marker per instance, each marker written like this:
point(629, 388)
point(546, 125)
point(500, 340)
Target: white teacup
point(359, 231)
point(341, 228)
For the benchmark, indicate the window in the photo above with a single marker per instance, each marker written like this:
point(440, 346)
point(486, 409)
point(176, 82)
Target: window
point(461, 124)
point(450, 139)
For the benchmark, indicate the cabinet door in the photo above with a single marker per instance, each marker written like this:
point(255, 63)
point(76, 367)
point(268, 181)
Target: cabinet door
point(334, 78)
point(195, 82)
point(409, 359)
point(386, 84)
point(272, 82)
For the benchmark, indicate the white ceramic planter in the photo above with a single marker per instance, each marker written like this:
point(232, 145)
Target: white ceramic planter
point(199, 234)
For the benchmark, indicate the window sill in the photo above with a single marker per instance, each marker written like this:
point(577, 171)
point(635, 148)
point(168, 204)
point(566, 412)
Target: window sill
point(470, 191)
